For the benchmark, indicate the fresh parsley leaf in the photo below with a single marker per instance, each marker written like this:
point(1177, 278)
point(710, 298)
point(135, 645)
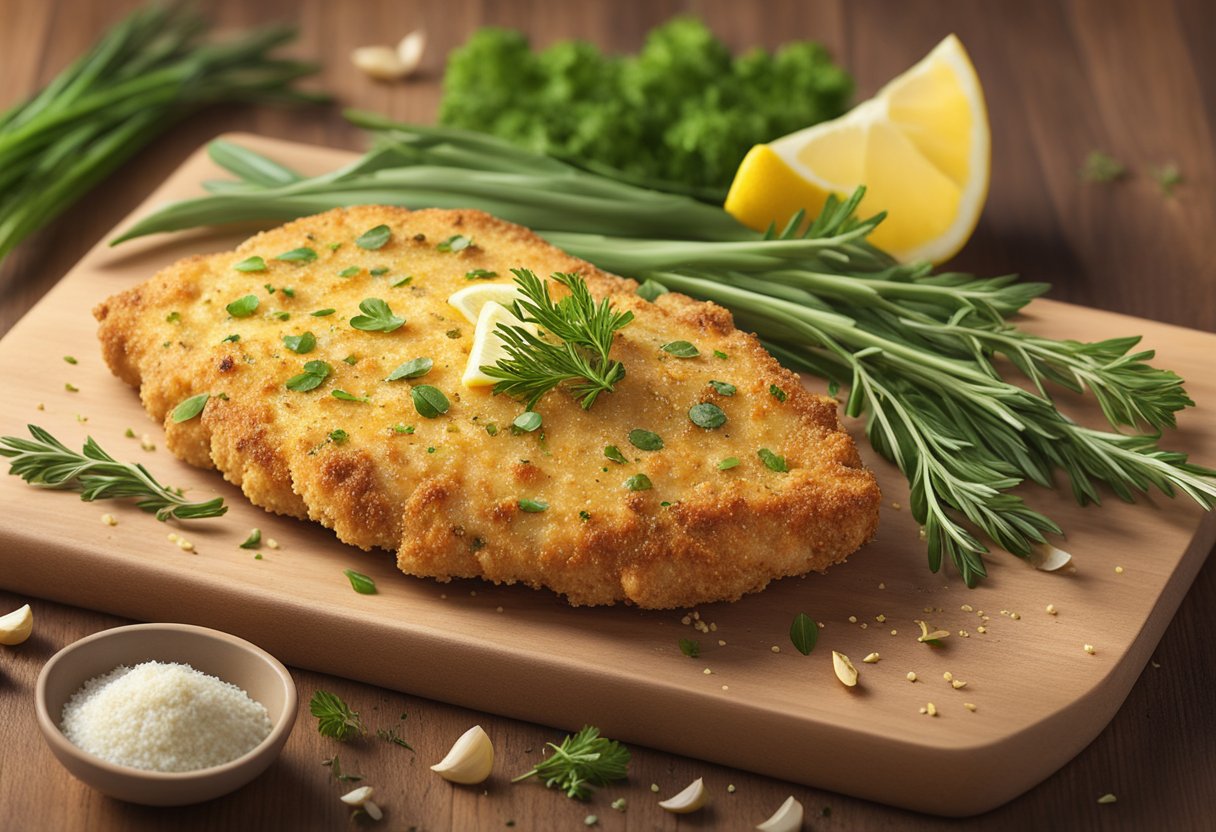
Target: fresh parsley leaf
point(376, 317)
point(455, 243)
point(334, 717)
point(401, 281)
point(720, 354)
point(651, 290)
point(429, 401)
point(722, 388)
point(173, 318)
point(479, 274)
point(348, 397)
point(314, 373)
point(707, 415)
point(243, 307)
point(728, 463)
point(777, 393)
point(639, 482)
point(532, 506)
point(378, 270)
point(253, 541)
point(360, 583)
point(804, 632)
point(681, 349)
point(645, 440)
point(582, 761)
point(614, 453)
point(352, 360)
point(233, 338)
point(251, 264)
point(374, 238)
point(190, 408)
point(298, 255)
point(690, 648)
point(349, 271)
point(414, 368)
point(338, 436)
point(404, 429)
point(492, 429)
point(283, 316)
point(527, 421)
point(772, 461)
point(300, 344)
point(321, 313)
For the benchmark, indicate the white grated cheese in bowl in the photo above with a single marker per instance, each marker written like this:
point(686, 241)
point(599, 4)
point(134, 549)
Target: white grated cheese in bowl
point(164, 717)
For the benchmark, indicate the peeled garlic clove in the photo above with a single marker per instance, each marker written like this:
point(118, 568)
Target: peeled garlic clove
point(410, 49)
point(1048, 558)
point(357, 797)
point(16, 626)
point(379, 62)
point(690, 800)
point(470, 760)
point(788, 818)
point(845, 671)
point(373, 811)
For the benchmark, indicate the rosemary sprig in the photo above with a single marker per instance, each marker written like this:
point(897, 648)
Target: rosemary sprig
point(45, 462)
point(582, 760)
point(580, 360)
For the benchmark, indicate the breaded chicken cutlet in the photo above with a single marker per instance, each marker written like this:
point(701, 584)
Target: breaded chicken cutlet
point(445, 492)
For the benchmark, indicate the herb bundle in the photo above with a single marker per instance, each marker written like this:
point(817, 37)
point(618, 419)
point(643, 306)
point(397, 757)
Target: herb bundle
point(144, 73)
point(917, 350)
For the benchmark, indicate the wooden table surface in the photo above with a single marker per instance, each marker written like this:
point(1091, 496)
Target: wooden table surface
point(1135, 79)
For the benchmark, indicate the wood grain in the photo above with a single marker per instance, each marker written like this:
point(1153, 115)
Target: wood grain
point(1060, 79)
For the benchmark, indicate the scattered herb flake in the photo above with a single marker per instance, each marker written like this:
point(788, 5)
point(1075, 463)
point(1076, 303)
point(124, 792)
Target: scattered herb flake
point(429, 401)
point(338, 436)
point(479, 274)
point(374, 238)
point(290, 292)
point(283, 316)
point(298, 255)
point(321, 313)
point(398, 282)
point(348, 397)
point(720, 354)
point(533, 506)
point(414, 368)
point(378, 271)
point(639, 482)
point(651, 290)
point(645, 440)
point(1167, 177)
point(349, 271)
point(777, 393)
point(455, 243)
point(254, 540)
point(352, 360)
point(71, 388)
point(391, 735)
point(728, 463)
point(1102, 167)
point(804, 632)
point(583, 760)
point(690, 648)
point(360, 583)
point(584, 516)
point(334, 717)
point(681, 349)
point(173, 318)
point(300, 344)
point(233, 338)
point(314, 373)
point(376, 317)
point(527, 421)
point(251, 264)
point(492, 429)
point(189, 408)
point(614, 453)
point(707, 415)
point(404, 429)
point(772, 461)
point(243, 307)
point(70, 359)
point(723, 388)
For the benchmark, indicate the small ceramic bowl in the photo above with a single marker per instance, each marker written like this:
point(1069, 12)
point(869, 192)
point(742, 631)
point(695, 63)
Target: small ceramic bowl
point(219, 654)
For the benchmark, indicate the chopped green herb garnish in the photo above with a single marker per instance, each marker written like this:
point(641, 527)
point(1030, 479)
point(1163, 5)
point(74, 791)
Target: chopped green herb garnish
point(479, 274)
point(258, 556)
point(707, 415)
point(70, 359)
point(404, 429)
point(527, 421)
point(314, 373)
point(71, 388)
point(772, 461)
point(651, 290)
point(348, 397)
point(321, 313)
point(414, 368)
point(584, 516)
point(777, 393)
point(349, 271)
point(338, 436)
point(690, 648)
point(233, 338)
point(639, 482)
point(253, 541)
point(833, 387)
point(189, 408)
point(298, 255)
point(390, 735)
point(728, 463)
point(720, 354)
point(336, 767)
point(251, 264)
point(492, 429)
point(457, 242)
point(645, 440)
point(453, 333)
point(401, 281)
point(681, 349)
point(243, 307)
point(334, 718)
point(804, 633)
point(1102, 167)
point(614, 453)
point(173, 317)
point(374, 238)
point(352, 360)
point(376, 317)
point(429, 401)
point(290, 292)
point(283, 316)
point(723, 388)
point(378, 271)
point(1167, 177)
point(129, 433)
point(332, 246)
point(301, 344)
point(270, 289)
point(583, 760)
point(361, 583)
point(533, 506)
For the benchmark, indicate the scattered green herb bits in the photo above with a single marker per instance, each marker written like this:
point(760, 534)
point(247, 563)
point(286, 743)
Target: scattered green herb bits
point(243, 307)
point(429, 401)
point(533, 506)
point(251, 264)
point(300, 344)
point(190, 408)
point(374, 239)
point(645, 440)
point(707, 415)
point(639, 482)
point(527, 421)
point(297, 255)
point(414, 368)
point(359, 582)
point(376, 317)
point(772, 461)
point(681, 349)
point(315, 372)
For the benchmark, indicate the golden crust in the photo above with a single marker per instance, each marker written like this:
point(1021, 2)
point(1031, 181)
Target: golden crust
point(445, 492)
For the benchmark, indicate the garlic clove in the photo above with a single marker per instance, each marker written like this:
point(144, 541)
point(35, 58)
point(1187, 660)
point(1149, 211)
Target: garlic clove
point(470, 760)
point(845, 671)
point(16, 626)
point(691, 799)
point(373, 811)
point(788, 818)
point(357, 797)
point(379, 62)
point(1048, 558)
point(410, 49)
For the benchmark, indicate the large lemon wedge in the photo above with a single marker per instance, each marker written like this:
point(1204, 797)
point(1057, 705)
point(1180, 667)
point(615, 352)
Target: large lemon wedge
point(469, 300)
point(488, 347)
point(920, 146)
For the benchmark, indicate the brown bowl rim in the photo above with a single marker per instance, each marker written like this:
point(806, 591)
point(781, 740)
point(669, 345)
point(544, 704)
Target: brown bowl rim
point(50, 727)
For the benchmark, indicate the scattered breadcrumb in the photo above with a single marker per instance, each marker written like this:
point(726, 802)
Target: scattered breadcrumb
point(271, 543)
point(1089, 648)
point(969, 706)
point(911, 677)
point(872, 658)
point(775, 649)
point(109, 519)
point(1118, 570)
point(146, 443)
point(730, 788)
point(1107, 798)
point(1051, 609)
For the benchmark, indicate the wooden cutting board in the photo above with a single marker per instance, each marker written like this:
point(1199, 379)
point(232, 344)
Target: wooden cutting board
point(749, 700)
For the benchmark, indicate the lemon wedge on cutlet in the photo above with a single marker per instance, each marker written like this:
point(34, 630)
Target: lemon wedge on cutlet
point(488, 346)
point(920, 146)
point(470, 300)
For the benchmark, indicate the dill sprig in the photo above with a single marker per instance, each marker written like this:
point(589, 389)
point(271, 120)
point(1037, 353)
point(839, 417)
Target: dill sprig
point(334, 717)
point(45, 462)
point(584, 330)
point(582, 761)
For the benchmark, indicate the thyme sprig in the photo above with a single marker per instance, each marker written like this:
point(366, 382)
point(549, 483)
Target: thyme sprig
point(45, 462)
point(582, 761)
